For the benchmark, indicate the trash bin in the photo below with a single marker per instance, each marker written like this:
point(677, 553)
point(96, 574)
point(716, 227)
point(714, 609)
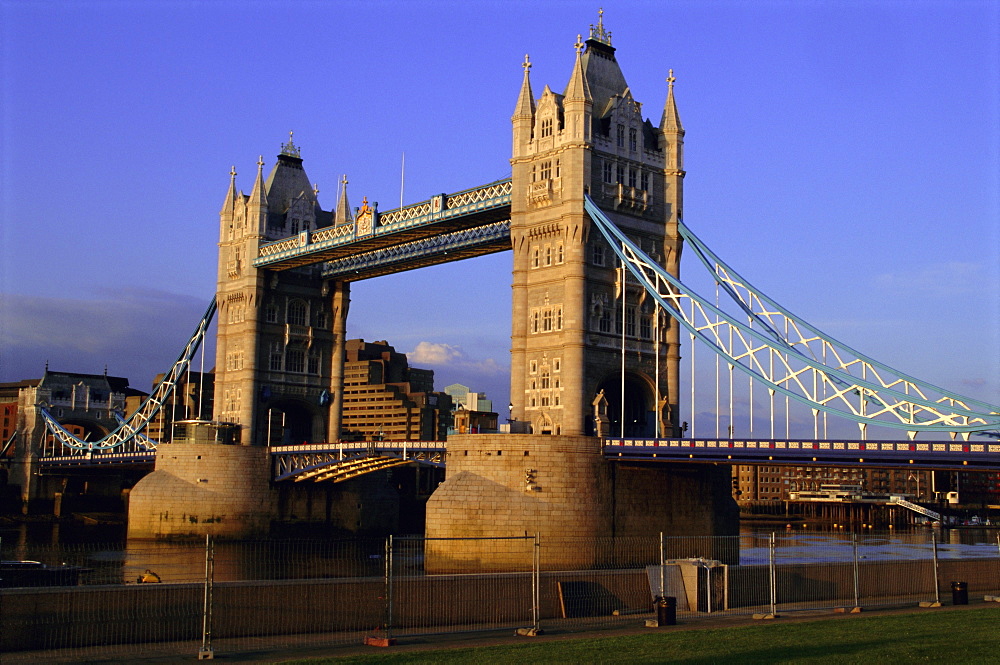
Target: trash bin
point(666, 610)
point(959, 593)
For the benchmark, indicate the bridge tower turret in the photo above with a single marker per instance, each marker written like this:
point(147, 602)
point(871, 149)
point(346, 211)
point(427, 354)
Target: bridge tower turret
point(580, 327)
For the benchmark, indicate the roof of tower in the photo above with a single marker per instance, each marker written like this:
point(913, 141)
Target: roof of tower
point(288, 180)
point(227, 205)
point(343, 213)
point(578, 87)
point(604, 76)
point(525, 107)
point(671, 120)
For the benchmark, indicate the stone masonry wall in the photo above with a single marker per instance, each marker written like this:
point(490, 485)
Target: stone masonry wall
point(561, 488)
point(203, 488)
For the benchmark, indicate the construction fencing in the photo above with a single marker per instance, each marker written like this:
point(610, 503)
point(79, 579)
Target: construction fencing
point(236, 597)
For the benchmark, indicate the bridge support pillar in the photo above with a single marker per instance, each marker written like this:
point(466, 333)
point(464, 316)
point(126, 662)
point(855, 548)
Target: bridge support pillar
point(199, 489)
point(588, 511)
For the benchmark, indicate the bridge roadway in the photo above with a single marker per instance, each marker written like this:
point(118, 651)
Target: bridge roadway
point(342, 461)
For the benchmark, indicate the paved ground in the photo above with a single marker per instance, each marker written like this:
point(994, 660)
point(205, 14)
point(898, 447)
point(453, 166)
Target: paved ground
point(278, 649)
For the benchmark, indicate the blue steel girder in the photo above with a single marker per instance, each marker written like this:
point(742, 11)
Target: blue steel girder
point(455, 246)
point(440, 215)
point(779, 362)
point(128, 431)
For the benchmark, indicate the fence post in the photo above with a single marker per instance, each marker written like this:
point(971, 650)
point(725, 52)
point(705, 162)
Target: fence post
point(536, 584)
point(663, 564)
point(937, 586)
point(206, 653)
point(388, 587)
point(854, 547)
point(774, 577)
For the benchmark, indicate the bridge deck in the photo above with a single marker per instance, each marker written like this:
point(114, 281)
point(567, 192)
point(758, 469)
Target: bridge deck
point(444, 215)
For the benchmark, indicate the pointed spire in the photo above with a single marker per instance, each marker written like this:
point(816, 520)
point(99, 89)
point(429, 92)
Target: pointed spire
point(227, 205)
point(671, 120)
point(343, 212)
point(257, 205)
point(525, 107)
point(578, 88)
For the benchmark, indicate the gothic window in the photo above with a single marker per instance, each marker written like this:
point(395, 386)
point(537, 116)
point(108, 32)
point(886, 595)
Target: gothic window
point(545, 400)
point(630, 322)
point(321, 320)
point(631, 178)
point(556, 365)
point(546, 127)
point(295, 226)
point(644, 182)
point(559, 253)
point(534, 173)
point(618, 321)
point(547, 321)
point(533, 366)
point(271, 313)
point(558, 318)
point(621, 136)
point(632, 139)
point(314, 362)
point(620, 173)
point(645, 327)
point(535, 260)
point(557, 168)
point(297, 313)
point(546, 170)
point(548, 255)
point(545, 379)
point(608, 169)
point(295, 361)
point(276, 360)
point(604, 323)
point(598, 255)
point(534, 321)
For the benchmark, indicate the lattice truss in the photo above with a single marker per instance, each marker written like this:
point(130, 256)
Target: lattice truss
point(338, 466)
point(128, 432)
point(789, 356)
point(434, 246)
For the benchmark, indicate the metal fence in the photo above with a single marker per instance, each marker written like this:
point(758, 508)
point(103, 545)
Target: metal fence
point(237, 597)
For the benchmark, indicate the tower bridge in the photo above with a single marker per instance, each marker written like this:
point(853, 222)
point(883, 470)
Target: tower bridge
point(593, 216)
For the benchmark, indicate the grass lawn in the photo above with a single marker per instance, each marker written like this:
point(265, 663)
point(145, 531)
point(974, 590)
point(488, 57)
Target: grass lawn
point(952, 637)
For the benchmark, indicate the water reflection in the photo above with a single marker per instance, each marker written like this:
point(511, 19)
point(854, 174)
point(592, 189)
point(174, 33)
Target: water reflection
point(110, 559)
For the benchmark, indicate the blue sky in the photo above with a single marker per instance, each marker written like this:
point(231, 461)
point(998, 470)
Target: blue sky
point(844, 156)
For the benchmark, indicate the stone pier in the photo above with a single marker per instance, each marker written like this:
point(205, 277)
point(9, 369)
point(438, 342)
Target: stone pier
point(583, 507)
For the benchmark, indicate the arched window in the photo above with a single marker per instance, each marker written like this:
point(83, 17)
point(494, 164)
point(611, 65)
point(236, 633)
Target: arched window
point(297, 313)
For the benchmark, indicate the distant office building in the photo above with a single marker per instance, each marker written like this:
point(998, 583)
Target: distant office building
point(387, 400)
point(471, 412)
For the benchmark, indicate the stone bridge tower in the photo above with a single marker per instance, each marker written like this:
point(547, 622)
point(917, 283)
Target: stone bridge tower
point(276, 360)
point(573, 317)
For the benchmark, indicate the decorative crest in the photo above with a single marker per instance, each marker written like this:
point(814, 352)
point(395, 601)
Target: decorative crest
point(579, 44)
point(671, 79)
point(526, 64)
point(598, 33)
point(290, 149)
